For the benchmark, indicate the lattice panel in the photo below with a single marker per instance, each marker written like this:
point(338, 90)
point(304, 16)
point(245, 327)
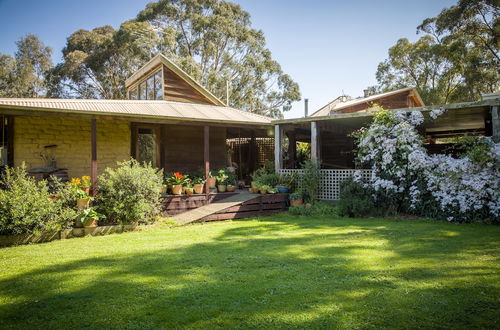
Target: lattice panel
point(330, 181)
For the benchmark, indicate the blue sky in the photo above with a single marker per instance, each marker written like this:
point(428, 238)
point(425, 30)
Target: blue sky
point(328, 47)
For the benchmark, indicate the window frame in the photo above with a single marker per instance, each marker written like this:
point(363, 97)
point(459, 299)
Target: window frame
point(135, 139)
point(137, 85)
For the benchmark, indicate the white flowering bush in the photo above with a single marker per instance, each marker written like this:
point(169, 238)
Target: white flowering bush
point(405, 178)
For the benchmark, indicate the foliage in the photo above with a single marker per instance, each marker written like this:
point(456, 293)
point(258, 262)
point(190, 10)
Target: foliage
point(310, 180)
point(405, 178)
point(198, 180)
point(268, 179)
point(313, 209)
point(297, 194)
point(478, 150)
point(303, 152)
point(456, 60)
point(355, 200)
point(178, 178)
point(231, 178)
point(89, 214)
point(26, 205)
point(130, 192)
point(222, 176)
point(24, 74)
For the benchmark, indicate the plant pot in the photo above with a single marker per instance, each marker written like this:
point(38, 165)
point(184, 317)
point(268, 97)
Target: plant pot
point(263, 191)
point(230, 188)
point(87, 190)
point(163, 190)
point(212, 190)
point(282, 190)
point(177, 189)
point(211, 182)
point(221, 188)
point(91, 223)
point(253, 184)
point(78, 223)
point(296, 202)
point(253, 190)
point(83, 203)
point(198, 188)
point(189, 191)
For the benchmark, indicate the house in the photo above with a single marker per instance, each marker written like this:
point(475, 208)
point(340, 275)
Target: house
point(169, 120)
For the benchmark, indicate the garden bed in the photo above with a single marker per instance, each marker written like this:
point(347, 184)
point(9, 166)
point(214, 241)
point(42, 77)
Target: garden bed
point(9, 240)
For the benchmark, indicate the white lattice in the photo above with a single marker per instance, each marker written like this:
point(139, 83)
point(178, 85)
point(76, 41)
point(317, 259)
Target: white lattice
point(330, 181)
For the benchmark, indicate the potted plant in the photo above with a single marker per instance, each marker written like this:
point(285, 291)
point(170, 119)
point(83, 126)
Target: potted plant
point(221, 180)
point(86, 184)
point(188, 188)
point(231, 182)
point(89, 217)
point(177, 180)
point(263, 189)
point(272, 190)
point(285, 182)
point(296, 198)
point(198, 185)
point(211, 180)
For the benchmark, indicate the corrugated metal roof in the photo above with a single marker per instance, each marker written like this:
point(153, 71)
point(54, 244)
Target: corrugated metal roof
point(134, 108)
point(337, 106)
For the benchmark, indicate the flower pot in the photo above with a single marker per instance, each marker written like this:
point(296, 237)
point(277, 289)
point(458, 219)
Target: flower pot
point(230, 188)
point(163, 190)
point(87, 190)
point(189, 191)
point(253, 190)
point(78, 223)
point(83, 203)
point(221, 188)
point(91, 223)
point(282, 190)
point(263, 191)
point(253, 184)
point(211, 182)
point(177, 189)
point(198, 188)
point(296, 202)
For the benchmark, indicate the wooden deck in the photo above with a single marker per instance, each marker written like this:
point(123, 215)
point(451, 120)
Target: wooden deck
point(240, 205)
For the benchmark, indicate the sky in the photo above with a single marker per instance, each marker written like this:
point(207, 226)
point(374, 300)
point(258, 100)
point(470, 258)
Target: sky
point(327, 47)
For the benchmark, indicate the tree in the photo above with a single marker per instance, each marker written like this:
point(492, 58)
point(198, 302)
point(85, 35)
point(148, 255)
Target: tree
point(24, 74)
point(212, 40)
point(456, 60)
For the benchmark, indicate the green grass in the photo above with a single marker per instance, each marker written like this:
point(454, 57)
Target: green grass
point(279, 272)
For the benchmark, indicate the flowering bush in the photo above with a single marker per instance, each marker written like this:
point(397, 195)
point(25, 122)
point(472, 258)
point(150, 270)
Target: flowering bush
point(406, 177)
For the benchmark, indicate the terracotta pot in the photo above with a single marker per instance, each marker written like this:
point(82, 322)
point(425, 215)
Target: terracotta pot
point(177, 189)
point(189, 191)
point(253, 190)
point(87, 190)
point(230, 188)
point(263, 191)
point(83, 203)
point(221, 188)
point(253, 184)
point(92, 223)
point(211, 182)
point(163, 190)
point(296, 202)
point(198, 188)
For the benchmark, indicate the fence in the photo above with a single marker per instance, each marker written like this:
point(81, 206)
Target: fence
point(330, 181)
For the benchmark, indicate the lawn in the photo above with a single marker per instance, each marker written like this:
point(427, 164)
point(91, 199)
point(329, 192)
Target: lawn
point(278, 272)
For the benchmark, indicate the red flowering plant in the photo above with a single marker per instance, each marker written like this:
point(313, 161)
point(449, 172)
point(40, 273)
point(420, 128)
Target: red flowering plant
point(178, 178)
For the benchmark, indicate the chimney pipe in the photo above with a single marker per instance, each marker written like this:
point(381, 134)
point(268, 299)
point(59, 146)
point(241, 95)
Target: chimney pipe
point(306, 107)
point(366, 92)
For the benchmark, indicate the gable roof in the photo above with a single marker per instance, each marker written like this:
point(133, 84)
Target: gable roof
point(338, 105)
point(143, 109)
point(160, 59)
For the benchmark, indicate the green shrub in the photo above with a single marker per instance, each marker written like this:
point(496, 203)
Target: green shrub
point(26, 205)
point(130, 193)
point(310, 180)
point(314, 209)
point(354, 200)
point(267, 179)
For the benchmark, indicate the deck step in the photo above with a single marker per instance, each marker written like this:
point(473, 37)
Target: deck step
point(206, 210)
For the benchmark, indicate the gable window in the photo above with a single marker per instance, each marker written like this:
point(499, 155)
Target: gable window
point(149, 89)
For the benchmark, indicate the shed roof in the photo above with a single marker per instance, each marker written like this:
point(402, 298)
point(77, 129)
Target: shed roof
point(337, 104)
point(136, 109)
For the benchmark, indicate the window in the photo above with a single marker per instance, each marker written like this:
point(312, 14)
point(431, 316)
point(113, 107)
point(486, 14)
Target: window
point(133, 94)
point(146, 145)
point(158, 86)
point(149, 89)
point(4, 141)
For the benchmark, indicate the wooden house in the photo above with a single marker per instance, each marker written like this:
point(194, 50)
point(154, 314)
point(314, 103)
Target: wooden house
point(169, 120)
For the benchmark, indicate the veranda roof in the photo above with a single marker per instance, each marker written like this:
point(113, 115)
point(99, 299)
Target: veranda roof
point(135, 109)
